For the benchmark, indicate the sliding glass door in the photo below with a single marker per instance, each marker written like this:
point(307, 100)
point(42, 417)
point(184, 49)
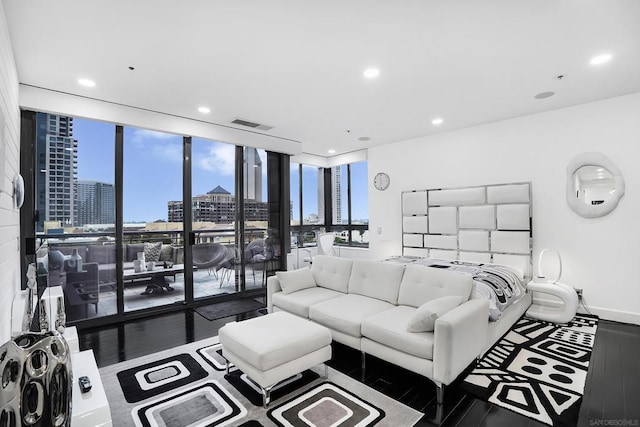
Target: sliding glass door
point(215, 256)
point(153, 238)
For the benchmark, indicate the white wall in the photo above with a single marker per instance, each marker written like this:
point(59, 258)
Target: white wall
point(9, 217)
point(600, 255)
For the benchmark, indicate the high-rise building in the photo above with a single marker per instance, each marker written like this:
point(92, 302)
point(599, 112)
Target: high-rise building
point(336, 195)
point(96, 203)
point(57, 170)
point(252, 174)
point(218, 206)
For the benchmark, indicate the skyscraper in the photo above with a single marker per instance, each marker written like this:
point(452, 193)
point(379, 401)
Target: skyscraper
point(252, 165)
point(336, 195)
point(96, 203)
point(57, 170)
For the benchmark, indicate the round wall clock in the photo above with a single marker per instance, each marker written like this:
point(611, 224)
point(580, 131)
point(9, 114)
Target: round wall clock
point(381, 181)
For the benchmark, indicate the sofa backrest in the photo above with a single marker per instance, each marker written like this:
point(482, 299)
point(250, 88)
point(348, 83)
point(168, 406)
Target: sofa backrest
point(375, 279)
point(332, 272)
point(102, 254)
point(68, 250)
point(421, 284)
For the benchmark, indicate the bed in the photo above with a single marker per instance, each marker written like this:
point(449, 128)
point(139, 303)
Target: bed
point(484, 231)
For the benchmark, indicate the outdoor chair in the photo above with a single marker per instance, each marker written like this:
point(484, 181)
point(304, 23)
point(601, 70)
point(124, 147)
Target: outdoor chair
point(209, 256)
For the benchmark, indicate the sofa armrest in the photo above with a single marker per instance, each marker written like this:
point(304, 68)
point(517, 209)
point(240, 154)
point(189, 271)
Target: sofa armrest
point(460, 335)
point(273, 286)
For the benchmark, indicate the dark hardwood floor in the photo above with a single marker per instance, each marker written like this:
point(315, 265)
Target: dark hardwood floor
point(611, 394)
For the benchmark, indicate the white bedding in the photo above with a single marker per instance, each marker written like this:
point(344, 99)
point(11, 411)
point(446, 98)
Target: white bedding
point(501, 285)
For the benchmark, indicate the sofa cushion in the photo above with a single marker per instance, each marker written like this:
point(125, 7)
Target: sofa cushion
point(424, 318)
point(299, 302)
point(421, 284)
point(375, 279)
point(389, 328)
point(332, 272)
point(296, 280)
point(346, 313)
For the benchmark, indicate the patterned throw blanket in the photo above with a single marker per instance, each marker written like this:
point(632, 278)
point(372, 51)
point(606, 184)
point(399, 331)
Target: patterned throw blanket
point(501, 285)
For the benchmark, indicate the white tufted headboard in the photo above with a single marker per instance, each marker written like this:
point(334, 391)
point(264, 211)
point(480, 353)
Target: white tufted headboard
point(485, 224)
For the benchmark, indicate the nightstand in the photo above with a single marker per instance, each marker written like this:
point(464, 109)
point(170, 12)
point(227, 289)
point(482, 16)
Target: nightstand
point(560, 309)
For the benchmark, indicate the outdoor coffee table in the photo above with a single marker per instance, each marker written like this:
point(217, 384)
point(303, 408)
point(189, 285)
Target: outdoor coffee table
point(157, 282)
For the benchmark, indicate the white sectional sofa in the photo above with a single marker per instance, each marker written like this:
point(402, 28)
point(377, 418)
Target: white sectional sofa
point(370, 305)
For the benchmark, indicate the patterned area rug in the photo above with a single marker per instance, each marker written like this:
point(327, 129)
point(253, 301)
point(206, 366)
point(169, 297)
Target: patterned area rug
point(538, 369)
point(186, 386)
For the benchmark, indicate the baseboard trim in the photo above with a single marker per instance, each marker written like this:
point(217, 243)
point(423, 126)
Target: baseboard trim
point(613, 315)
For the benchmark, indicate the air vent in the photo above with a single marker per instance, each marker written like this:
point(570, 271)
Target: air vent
point(251, 124)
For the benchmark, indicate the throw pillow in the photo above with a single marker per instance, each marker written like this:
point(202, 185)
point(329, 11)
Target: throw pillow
point(424, 319)
point(166, 253)
point(296, 280)
point(152, 251)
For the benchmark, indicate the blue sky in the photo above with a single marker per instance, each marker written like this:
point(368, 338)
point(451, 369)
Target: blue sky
point(153, 170)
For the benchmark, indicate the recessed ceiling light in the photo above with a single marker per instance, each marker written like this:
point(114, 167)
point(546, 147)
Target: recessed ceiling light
point(204, 110)
point(364, 138)
point(87, 82)
point(543, 95)
point(332, 151)
point(437, 121)
point(371, 73)
point(600, 59)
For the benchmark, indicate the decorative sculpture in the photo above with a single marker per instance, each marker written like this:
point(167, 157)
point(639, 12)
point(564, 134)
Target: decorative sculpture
point(36, 381)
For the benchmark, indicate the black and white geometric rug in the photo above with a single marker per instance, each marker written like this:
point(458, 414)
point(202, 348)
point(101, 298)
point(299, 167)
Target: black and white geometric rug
point(538, 369)
point(187, 386)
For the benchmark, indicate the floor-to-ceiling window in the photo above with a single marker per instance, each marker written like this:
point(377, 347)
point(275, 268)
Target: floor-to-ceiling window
point(350, 204)
point(258, 249)
point(137, 221)
point(75, 203)
point(308, 199)
point(328, 200)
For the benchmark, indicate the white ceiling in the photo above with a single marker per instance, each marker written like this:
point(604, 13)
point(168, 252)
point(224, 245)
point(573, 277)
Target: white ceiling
point(298, 65)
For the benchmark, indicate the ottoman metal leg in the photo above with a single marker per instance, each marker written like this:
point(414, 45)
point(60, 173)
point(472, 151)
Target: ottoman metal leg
point(326, 372)
point(266, 396)
point(227, 367)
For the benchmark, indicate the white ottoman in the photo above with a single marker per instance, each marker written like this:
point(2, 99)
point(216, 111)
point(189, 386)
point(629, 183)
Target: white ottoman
point(274, 347)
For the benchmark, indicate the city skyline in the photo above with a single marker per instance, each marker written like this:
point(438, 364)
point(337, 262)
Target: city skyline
point(153, 170)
